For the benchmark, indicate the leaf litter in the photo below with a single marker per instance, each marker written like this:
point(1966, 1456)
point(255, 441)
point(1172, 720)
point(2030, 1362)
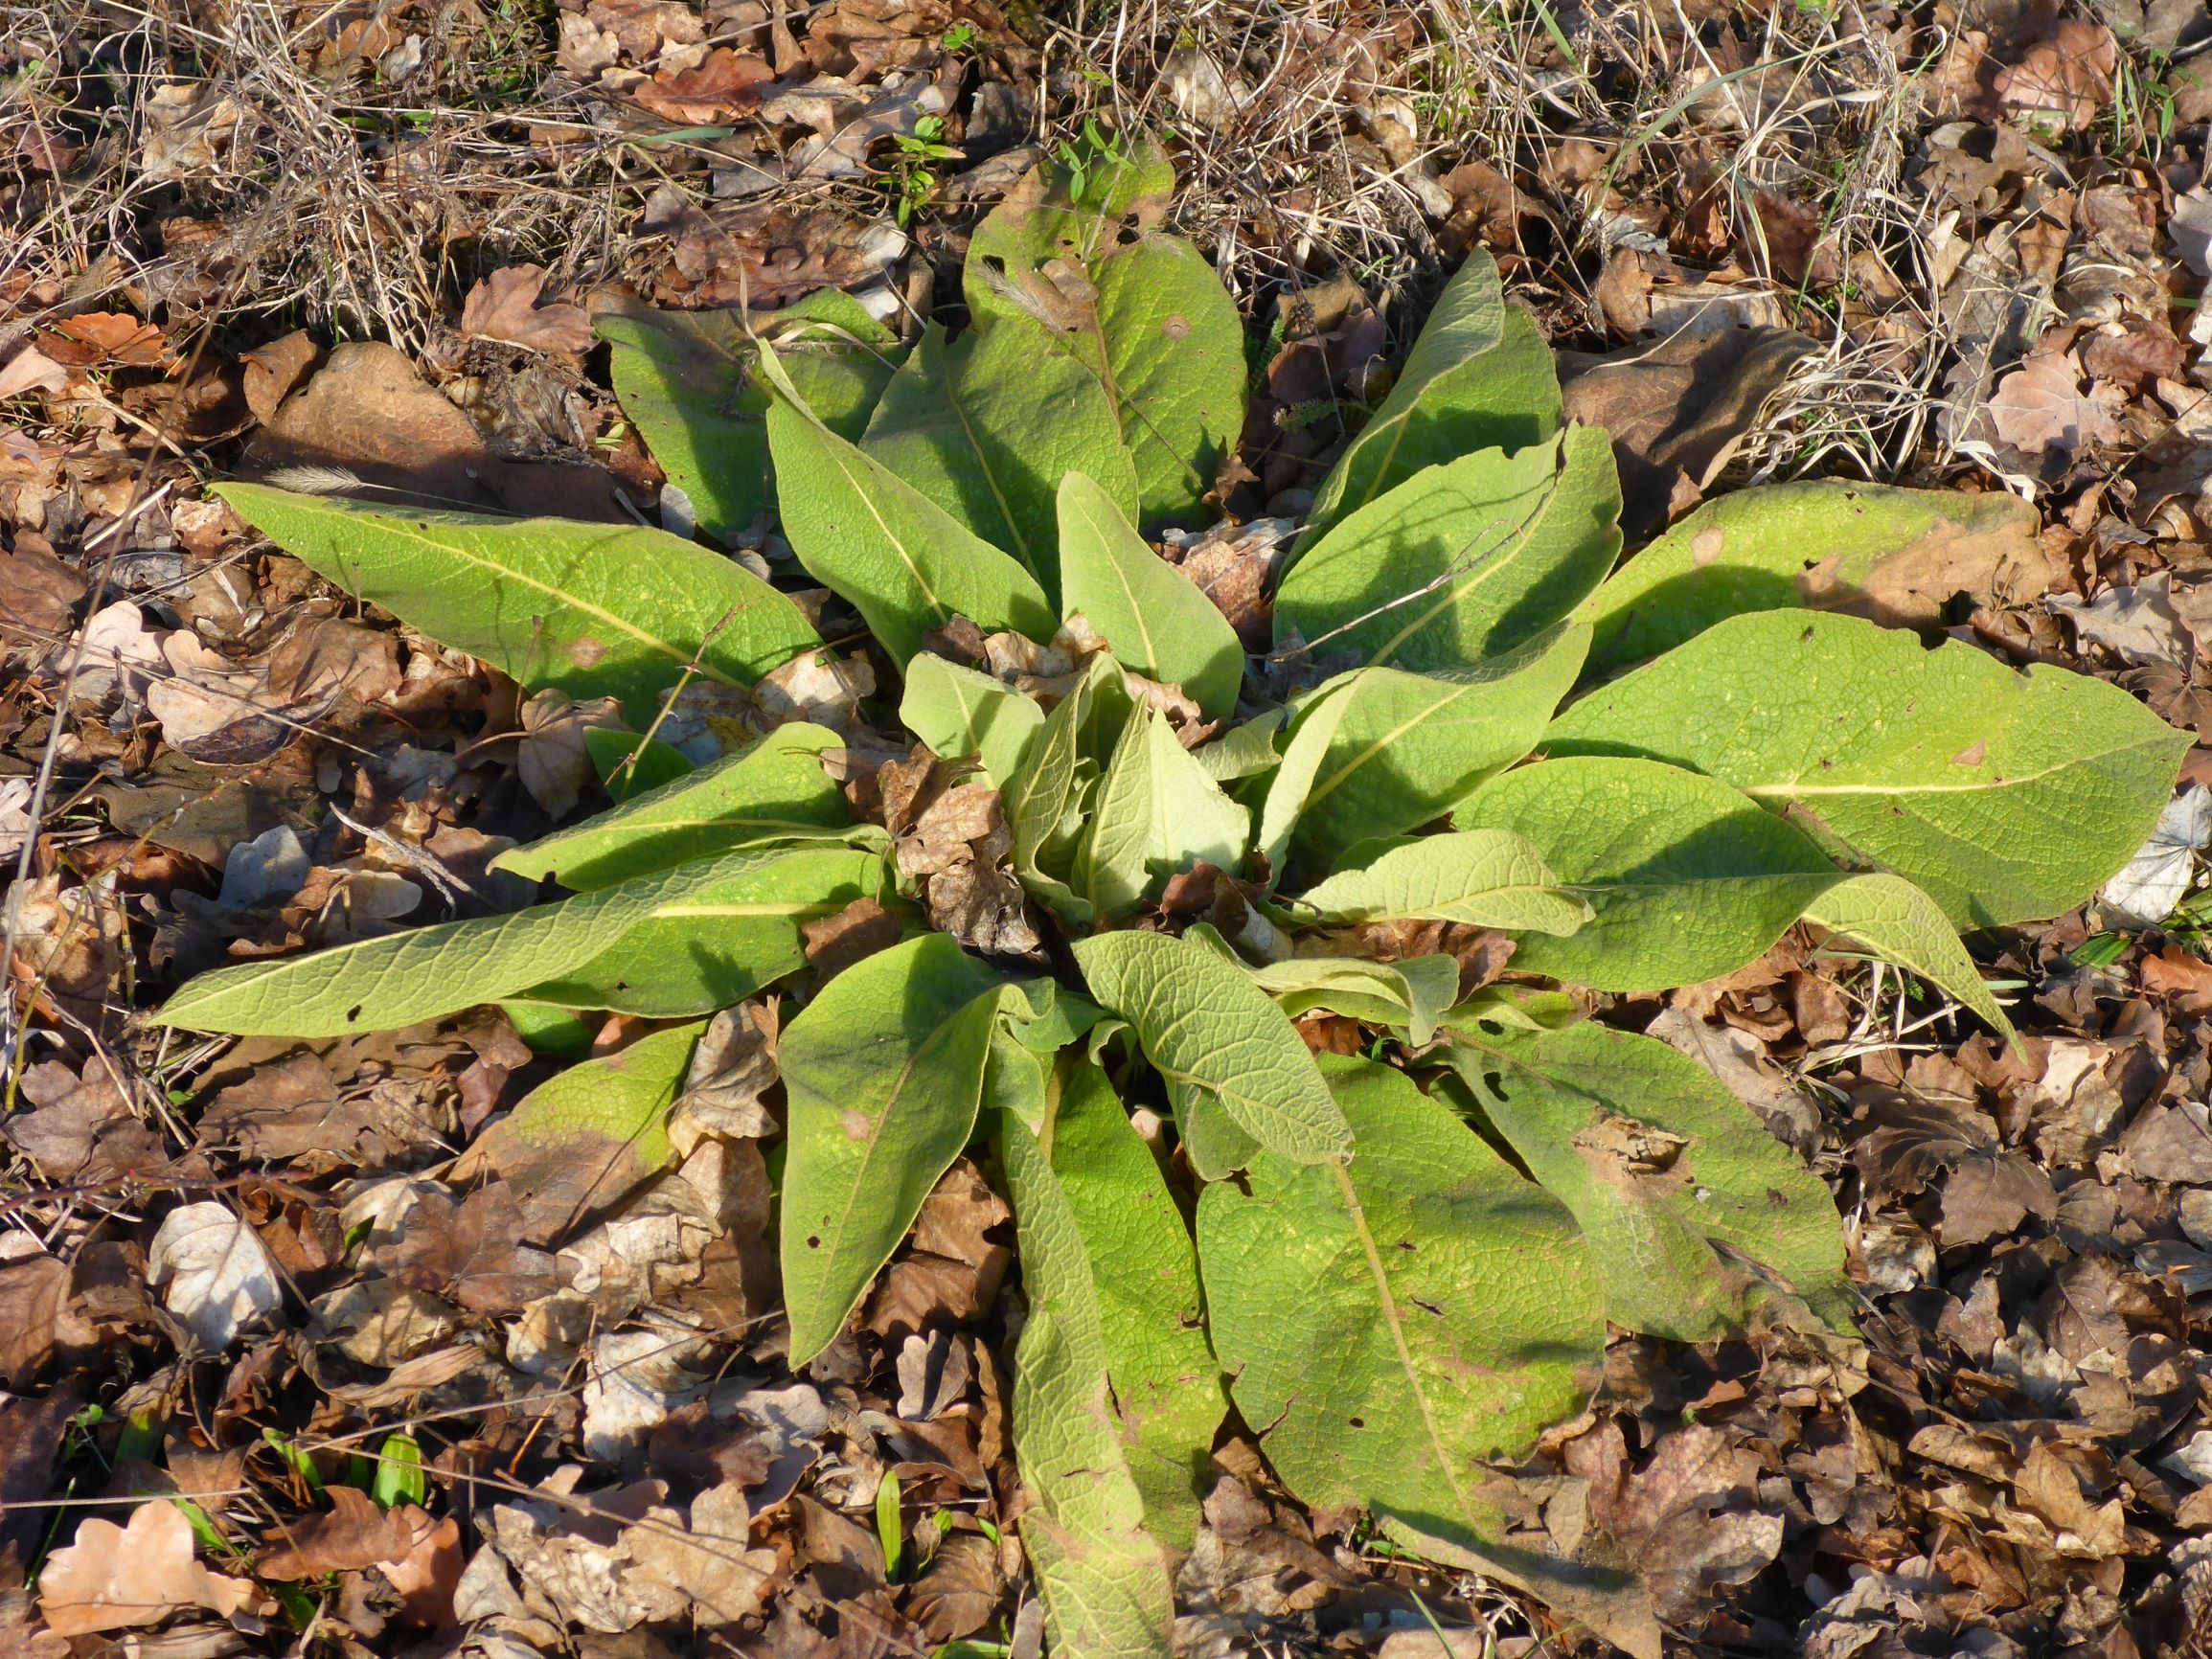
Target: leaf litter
point(2011, 1462)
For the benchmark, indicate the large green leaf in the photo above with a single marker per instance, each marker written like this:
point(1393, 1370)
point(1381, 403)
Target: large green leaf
point(1691, 1208)
point(595, 609)
point(2009, 796)
point(988, 425)
point(734, 930)
point(1401, 749)
point(383, 984)
point(1154, 618)
point(775, 787)
point(1480, 376)
point(1413, 992)
point(685, 380)
point(884, 1072)
point(1687, 880)
point(1896, 556)
point(899, 560)
point(1077, 268)
point(1395, 1323)
point(1167, 1388)
point(1484, 877)
point(1103, 1577)
point(1157, 813)
point(1237, 1071)
point(1464, 561)
point(961, 710)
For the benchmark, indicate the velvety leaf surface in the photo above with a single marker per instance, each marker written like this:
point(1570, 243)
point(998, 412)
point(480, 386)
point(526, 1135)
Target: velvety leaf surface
point(1156, 619)
point(1485, 878)
point(595, 609)
point(1401, 1321)
point(961, 710)
point(884, 1072)
point(2008, 796)
point(1691, 1208)
point(899, 560)
point(1405, 748)
point(1464, 561)
point(1221, 1045)
point(1688, 879)
point(987, 428)
point(736, 929)
point(1103, 1577)
point(1157, 813)
point(775, 787)
point(1167, 1388)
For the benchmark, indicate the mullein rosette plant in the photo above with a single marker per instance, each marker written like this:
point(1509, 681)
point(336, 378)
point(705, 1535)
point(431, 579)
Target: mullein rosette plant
point(1398, 1266)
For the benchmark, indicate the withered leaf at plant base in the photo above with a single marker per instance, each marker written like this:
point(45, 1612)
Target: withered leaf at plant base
point(1988, 1189)
point(1686, 1519)
point(352, 1534)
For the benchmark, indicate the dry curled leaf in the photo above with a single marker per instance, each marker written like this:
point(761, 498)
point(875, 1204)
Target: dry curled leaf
point(504, 307)
point(115, 1578)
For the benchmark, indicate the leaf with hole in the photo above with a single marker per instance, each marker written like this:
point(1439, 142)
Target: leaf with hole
point(1156, 619)
point(777, 788)
point(1396, 1323)
point(884, 1072)
point(1463, 561)
point(596, 610)
point(2008, 796)
point(1694, 1212)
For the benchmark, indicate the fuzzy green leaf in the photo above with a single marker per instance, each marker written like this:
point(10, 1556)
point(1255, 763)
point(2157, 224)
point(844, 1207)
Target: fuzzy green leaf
point(961, 710)
point(1044, 799)
point(1484, 877)
point(1688, 879)
point(1103, 1577)
point(988, 425)
point(899, 560)
point(1157, 813)
point(383, 984)
point(1400, 749)
point(684, 379)
point(1154, 618)
point(1691, 1208)
point(1167, 1388)
point(1401, 1321)
point(776, 788)
point(1896, 556)
point(1224, 1047)
point(593, 610)
point(1088, 277)
point(1243, 751)
point(1464, 560)
point(734, 931)
point(1480, 376)
point(884, 1072)
point(2010, 797)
